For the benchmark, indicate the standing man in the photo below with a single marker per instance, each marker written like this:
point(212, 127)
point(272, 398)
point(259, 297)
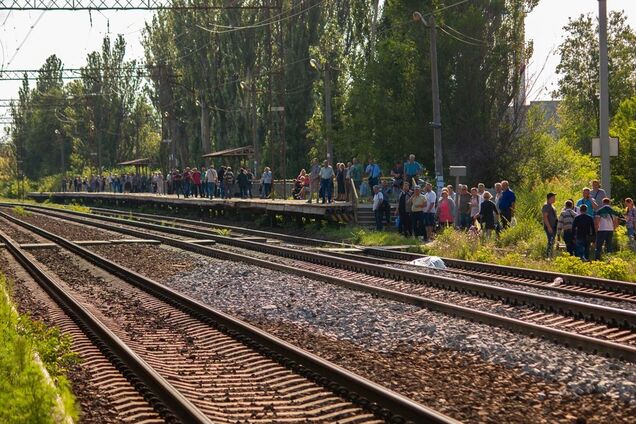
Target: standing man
point(267, 178)
point(507, 204)
point(356, 173)
point(221, 178)
point(373, 172)
point(605, 222)
point(404, 211)
point(378, 200)
point(549, 222)
point(314, 180)
point(418, 203)
point(588, 202)
point(583, 230)
point(228, 182)
point(204, 183)
point(196, 182)
point(597, 194)
point(177, 179)
point(412, 169)
point(210, 179)
point(464, 198)
point(429, 211)
point(326, 182)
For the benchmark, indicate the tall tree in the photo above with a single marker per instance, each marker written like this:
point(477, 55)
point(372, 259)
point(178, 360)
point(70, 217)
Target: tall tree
point(579, 75)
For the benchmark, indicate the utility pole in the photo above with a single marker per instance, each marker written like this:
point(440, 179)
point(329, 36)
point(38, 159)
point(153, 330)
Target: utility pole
point(437, 119)
point(328, 112)
point(606, 181)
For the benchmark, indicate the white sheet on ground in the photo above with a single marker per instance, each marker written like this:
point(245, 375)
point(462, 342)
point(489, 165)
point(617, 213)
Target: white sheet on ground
point(429, 262)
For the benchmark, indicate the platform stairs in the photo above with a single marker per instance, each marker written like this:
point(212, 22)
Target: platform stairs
point(367, 220)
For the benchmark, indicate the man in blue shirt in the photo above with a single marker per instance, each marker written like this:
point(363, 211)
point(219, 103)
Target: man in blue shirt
point(412, 169)
point(373, 171)
point(587, 201)
point(506, 203)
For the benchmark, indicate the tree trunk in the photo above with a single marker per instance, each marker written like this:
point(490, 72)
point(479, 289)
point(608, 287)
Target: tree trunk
point(205, 128)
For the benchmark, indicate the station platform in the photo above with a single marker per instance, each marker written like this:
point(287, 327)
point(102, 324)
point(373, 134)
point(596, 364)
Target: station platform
point(246, 208)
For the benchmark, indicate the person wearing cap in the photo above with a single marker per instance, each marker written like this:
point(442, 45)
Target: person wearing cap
point(549, 222)
point(418, 204)
point(378, 210)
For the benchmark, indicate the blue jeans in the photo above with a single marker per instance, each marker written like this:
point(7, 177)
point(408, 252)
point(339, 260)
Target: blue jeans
point(583, 249)
point(603, 238)
point(186, 188)
point(326, 189)
point(211, 190)
point(550, 245)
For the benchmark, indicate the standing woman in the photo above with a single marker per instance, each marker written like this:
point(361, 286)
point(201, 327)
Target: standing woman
point(340, 178)
point(445, 210)
point(474, 204)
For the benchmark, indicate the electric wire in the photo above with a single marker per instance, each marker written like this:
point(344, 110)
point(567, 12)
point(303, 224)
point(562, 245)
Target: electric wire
point(461, 34)
point(263, 24)
point(470, 43)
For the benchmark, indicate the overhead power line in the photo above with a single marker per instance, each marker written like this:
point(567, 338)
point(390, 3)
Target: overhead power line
point(67, 74)
point(114, 5)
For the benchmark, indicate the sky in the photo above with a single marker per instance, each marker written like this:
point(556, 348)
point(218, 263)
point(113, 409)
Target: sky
point(73, 34)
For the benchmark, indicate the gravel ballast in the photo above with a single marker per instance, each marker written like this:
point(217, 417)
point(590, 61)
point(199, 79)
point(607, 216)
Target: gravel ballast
point(470, 371)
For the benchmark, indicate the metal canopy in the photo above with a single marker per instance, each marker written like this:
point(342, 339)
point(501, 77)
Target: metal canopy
point(136, 162)
point(238, 151)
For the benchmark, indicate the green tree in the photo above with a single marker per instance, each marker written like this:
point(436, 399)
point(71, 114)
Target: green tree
point(624, 166)
point(579, 75)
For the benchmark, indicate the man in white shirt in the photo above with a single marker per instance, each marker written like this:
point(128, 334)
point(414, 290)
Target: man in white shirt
point(378, 200)
point(210, 179)
point(429, 210)
point(326, 182)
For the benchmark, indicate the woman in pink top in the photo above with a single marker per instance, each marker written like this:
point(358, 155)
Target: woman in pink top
point(445, 210)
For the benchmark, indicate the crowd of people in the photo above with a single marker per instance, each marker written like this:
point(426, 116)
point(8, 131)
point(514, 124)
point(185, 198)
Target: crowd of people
point(589, 220)
point(420, 210)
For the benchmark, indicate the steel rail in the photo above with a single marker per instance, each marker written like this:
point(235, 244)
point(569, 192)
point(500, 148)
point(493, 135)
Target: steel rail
point(561, 288)
point(566, 338)
point(502, 270)
point(378, 399)
point(534, 274)
point(112, 346)
point(191, 222)
point(607, 315)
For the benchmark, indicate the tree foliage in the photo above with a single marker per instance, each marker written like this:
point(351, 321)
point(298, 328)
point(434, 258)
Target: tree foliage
point(96, 121)
point(578, 88)
point(579, 70)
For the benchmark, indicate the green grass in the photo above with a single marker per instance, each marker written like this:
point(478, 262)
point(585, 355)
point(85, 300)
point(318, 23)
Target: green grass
point(25, 396)
point(225, 232)
point(363, 237)
point(20, 211)
point(523, 248)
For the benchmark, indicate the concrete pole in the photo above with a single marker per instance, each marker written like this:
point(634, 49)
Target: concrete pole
point(604, 94)
point(328, 112)
point(437, 119)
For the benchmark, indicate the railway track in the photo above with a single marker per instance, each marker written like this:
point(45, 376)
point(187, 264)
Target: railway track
point(569, 323)
point(571, 284)
point(200, 365)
